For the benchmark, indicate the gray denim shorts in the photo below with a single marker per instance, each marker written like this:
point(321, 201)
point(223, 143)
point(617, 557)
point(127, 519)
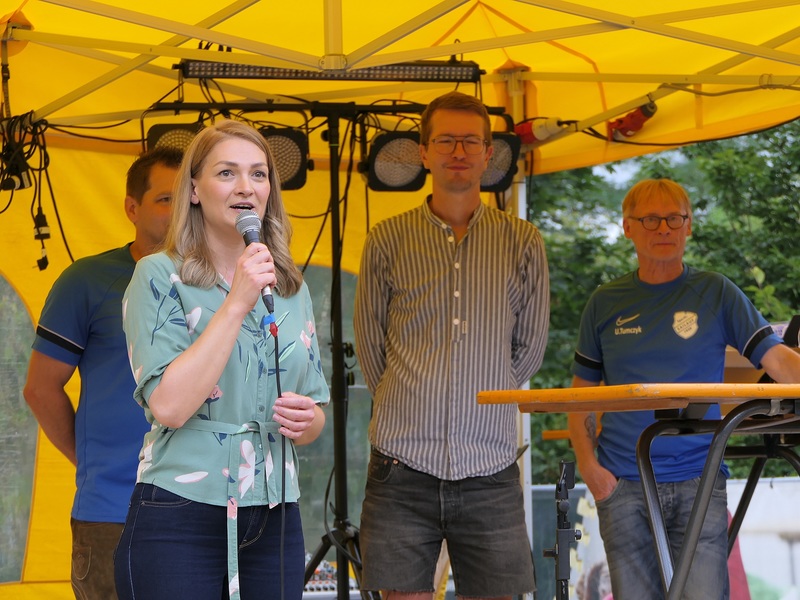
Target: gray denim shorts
point(406, 514)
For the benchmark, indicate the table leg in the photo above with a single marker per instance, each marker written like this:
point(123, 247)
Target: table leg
point(674, 577)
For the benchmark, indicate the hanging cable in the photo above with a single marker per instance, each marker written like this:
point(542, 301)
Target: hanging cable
point(273, 330)
point(5, 73)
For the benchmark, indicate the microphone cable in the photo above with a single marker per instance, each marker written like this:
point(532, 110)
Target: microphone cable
point(273, 330)
point(249, 226)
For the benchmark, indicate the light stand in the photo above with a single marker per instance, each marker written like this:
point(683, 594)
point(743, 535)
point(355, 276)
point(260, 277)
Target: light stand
point(565, 533)
point(344, 535)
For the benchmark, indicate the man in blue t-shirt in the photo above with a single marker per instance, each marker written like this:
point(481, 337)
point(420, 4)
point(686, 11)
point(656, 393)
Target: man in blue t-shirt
point(666, 322)
point(81, 327)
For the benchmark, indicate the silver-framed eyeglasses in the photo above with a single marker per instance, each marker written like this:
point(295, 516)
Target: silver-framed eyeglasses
point(651, 223)
point(446, 144)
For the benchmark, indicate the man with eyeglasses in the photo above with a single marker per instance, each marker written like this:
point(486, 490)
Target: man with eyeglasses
point(662, 323)
point(452, 298)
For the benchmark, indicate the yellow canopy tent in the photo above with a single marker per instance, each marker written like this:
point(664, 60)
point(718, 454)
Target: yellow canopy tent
point(712, 68)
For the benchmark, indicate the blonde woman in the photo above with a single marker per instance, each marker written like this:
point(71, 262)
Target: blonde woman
point(214, 512)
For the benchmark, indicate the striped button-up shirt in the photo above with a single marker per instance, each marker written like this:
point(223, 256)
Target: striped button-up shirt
point(437, 321)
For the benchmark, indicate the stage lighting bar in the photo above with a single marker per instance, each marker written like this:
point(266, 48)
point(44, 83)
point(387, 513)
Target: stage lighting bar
point(422, 70)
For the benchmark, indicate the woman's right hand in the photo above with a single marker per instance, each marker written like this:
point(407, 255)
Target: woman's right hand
point(255, 270)
point(190, 377)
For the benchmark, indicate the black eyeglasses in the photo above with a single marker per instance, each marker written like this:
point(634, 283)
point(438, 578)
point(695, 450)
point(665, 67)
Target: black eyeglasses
point(652, 223)
point(446, 144)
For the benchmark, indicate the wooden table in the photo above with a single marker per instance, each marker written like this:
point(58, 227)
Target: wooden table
point(763, 408)
point(637, 396)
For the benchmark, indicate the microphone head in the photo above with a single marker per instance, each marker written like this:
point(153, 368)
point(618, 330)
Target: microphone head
point(248, 220)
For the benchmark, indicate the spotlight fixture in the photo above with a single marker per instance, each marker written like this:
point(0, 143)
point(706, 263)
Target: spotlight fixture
point(172, 135)
point(289, 149)
point(421, 70)
point(395, 164)
point(503, 163)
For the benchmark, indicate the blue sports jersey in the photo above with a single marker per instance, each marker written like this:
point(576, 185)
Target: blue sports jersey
point(675, 332)
point(81, 325)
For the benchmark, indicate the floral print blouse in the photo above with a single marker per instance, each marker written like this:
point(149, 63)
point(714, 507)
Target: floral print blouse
point(229, 452)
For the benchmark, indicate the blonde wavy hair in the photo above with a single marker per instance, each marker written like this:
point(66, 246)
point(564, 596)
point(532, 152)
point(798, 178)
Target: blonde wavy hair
point(186, 242)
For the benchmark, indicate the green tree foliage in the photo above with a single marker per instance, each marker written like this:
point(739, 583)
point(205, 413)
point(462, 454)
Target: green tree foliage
point(577, 213)
point(745, 191)
point(746, 198)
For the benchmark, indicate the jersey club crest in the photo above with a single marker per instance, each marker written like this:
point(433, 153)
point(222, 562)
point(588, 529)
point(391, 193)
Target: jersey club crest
point(684, 324)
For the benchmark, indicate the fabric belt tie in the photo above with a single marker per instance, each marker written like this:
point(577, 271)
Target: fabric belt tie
point(264, 430)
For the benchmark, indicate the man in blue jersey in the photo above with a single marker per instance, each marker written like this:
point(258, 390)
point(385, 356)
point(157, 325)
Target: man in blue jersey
point(81, 327)
point(666, 322)
point(452, 298)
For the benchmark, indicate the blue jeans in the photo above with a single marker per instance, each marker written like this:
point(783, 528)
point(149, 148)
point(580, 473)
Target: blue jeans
point(630, 549)
point(175, 548)
point(406, 514)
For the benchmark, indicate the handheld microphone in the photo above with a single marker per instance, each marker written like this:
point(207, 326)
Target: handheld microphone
point(249, 227)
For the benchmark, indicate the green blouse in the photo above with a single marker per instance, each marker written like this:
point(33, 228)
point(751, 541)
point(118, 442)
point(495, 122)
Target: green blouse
point(229, 452)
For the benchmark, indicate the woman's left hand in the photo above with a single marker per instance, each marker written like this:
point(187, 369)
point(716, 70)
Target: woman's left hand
point(294, 413)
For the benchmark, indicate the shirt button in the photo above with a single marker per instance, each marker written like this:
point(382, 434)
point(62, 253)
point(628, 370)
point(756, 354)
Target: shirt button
point(261, 409)
point(457, 294)
point(457, 265)
point(455, 321)
point(451, 239)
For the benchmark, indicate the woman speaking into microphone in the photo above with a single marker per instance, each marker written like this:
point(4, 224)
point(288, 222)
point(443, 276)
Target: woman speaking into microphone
point(229, 387)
